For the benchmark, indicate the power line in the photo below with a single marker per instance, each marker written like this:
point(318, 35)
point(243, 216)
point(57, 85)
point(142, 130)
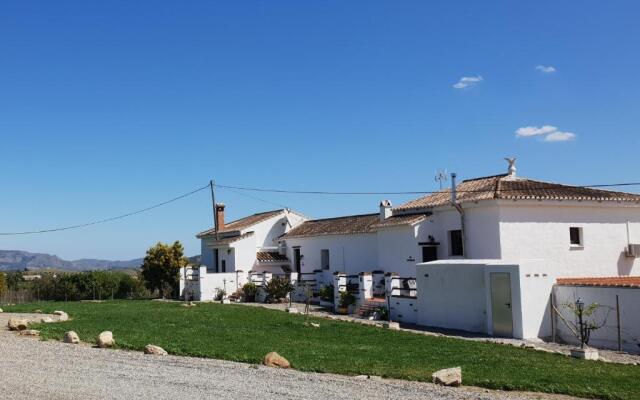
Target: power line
point(253, 197)
point(255, 189)
point(101, 221)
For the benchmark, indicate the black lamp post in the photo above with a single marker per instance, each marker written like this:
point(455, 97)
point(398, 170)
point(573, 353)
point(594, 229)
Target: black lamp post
point(580, 308)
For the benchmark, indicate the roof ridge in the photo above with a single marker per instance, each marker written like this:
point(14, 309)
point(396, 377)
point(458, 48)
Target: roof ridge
point(484, 177)
point(340, 217)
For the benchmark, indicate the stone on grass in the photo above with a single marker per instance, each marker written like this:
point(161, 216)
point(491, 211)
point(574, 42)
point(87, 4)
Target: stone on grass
point(105, 339)
point(62, 316)
point(394, 326)
point(1, 310)
point(156, 350)
point(38, 311)
point(30, 332)
point(71, 337)
point(274, 359)
point(292, 310)
point(46, 320)
point(448, 377)
point(15, 324)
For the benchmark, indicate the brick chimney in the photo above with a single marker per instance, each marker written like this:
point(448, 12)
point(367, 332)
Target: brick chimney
point(219, 216)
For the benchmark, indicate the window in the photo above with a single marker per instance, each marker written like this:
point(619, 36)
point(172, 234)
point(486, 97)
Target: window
point(214, 267)
point(429, 253)
point(324, 258)
point(455, 243)
point(575, 236)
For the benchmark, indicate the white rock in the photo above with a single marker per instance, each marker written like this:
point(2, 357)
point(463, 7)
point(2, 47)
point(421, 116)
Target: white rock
point(71, 337)
point(1, 310)
point(30, 332)
point(448, 377)
point(156, 350)
point(62, 316)
point(292, 310)
point(15, 324)
point(395, 326)
point(46, 320)
point(105, 339)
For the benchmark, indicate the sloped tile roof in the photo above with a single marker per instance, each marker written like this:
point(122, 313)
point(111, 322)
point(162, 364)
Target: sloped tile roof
point(398, 220)
point(242, 223)
point(271, 256)
point(506, 187)
point(613, 281)
point(230, 239)
point(348, 225)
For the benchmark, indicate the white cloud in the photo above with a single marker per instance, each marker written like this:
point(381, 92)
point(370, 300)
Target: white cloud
point(560, 136)
point(527, 131)
point(550, 133)
point(547, 69)
point(468, 81)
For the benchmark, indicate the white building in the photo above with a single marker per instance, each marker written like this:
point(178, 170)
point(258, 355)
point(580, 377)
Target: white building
point(485, 256)
point(230, 252)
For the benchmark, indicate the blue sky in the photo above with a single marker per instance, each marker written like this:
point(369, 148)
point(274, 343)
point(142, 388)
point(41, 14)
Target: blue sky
point(111, 106)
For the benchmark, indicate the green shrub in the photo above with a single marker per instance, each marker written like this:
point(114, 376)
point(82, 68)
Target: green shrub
point(347, 299)
point(220, 294)
point(249, 292)
point(327, 293)
point(278, 289)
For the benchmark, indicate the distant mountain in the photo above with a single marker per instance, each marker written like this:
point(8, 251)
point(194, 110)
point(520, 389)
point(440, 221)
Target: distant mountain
point(12, 260)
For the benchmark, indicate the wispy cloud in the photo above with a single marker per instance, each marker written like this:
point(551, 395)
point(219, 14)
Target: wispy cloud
point(547, 69)
point(549, 132)
point(468, 81)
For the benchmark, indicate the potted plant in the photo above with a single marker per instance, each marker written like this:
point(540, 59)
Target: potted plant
point(326, 294)
point(249, 292)
point(586, 323)
point(346, 300)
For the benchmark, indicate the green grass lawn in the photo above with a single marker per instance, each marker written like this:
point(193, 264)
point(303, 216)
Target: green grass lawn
point(246, 334)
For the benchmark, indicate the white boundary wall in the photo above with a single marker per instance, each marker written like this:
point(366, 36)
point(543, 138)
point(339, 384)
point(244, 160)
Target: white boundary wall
point(606, 337)
point(455, 294)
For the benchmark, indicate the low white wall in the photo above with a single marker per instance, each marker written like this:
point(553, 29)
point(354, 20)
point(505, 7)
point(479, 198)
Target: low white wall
point(607, 336)
point(456, 294)
point(451, 296)
point(210, 284)
point(404, 309)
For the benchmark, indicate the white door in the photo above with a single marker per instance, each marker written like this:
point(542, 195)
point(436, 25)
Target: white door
point(501, 304)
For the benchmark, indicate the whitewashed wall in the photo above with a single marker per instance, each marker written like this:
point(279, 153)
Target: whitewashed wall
point(606, 337)
point(404, 309)
point(541, 231)
point(347, 253)
point(398, 250)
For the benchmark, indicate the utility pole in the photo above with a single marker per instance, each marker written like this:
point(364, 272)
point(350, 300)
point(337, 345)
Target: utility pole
point(213, 204)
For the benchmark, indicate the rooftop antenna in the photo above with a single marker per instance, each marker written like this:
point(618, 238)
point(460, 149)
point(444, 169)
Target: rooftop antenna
point(441, 177)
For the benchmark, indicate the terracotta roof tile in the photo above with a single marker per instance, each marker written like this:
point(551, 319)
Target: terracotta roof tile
point(613, 281)
point(230, 239)
point(271, 256)
point(350, 225)
point(242, 223)
point(506, 187)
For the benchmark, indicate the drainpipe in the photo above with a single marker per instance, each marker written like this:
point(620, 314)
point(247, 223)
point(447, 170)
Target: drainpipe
point(458, 207)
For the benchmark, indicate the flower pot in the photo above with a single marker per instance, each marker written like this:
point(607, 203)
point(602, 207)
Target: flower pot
point(586, 353)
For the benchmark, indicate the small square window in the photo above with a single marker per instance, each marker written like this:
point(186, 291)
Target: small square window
point(575, 236)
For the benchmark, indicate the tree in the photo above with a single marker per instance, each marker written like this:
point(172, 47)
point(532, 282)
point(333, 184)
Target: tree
point(3, 284)
point(161, 267)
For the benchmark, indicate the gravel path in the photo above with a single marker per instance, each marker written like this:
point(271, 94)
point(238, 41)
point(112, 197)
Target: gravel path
point(33, 369)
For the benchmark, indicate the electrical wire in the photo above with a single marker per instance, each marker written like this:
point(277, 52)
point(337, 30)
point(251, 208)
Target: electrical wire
point(255, 189)
point(101, 221)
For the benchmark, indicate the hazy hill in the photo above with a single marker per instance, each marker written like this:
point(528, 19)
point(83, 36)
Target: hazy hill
point(11, 260)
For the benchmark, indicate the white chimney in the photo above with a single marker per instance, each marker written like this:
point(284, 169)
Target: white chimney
point(385, 210)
